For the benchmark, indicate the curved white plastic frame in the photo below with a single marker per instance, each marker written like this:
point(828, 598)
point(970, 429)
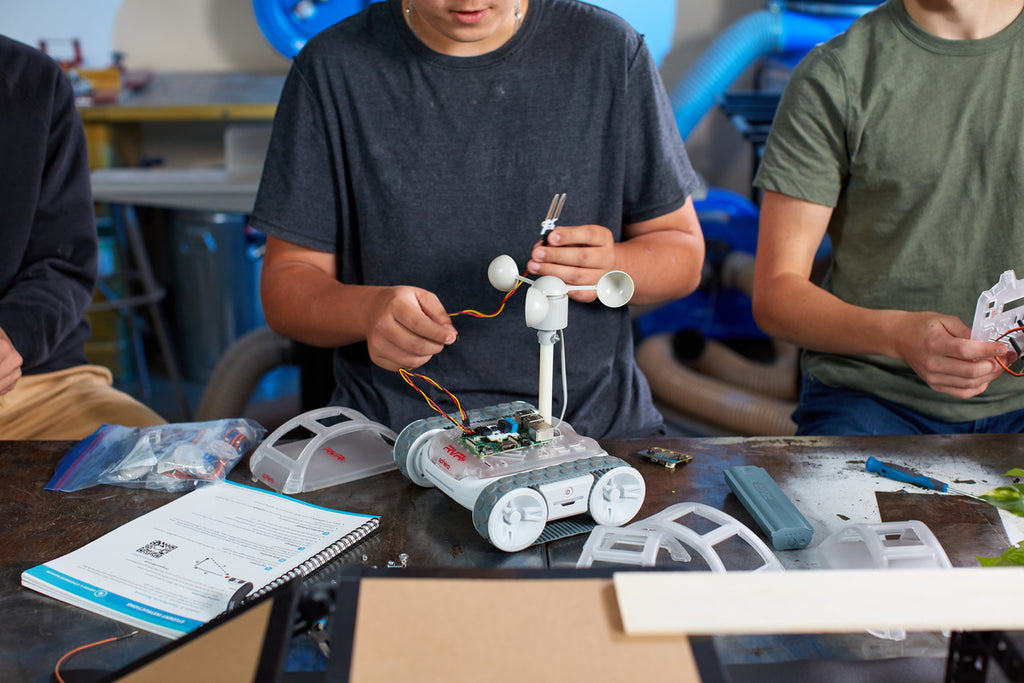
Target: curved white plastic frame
point(639, 543)
point(887, 545)
point(992, 319)
point(336, 454)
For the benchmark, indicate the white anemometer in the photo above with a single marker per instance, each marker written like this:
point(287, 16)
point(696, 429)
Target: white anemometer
point(547, 310)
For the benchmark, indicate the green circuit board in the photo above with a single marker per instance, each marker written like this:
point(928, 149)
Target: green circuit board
point(521, 429)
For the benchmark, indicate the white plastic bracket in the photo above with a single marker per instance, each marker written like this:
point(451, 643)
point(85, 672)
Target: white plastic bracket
point(992, 318)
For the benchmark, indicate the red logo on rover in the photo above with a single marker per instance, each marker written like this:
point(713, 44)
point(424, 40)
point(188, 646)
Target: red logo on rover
point(334, 453)
point(455, 453)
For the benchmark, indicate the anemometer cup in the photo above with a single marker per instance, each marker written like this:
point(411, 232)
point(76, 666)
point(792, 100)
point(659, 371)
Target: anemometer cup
point(615, 288)
point(502, 273)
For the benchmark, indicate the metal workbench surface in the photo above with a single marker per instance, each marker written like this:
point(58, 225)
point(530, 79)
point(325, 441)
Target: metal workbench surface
point(824, 476)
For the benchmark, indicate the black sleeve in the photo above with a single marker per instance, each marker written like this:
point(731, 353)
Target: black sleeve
point(47, 278)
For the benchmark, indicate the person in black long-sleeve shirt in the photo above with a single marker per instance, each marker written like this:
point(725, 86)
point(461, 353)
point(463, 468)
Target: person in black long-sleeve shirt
point(48, 261)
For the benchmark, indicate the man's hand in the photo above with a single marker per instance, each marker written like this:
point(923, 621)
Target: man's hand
point(408, 326)
point(10, 364)
point(940, 350)
point(577, 255)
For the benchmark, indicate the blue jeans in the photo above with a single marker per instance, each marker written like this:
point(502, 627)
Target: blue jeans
point(829, 411)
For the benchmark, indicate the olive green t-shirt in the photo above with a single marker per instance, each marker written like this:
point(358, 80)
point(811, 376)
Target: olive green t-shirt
point(918, 144)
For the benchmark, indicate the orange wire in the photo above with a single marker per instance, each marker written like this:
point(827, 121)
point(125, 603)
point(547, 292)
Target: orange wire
point(56, 668)
point(478, 314)
point(407, 376)
point(999, 360)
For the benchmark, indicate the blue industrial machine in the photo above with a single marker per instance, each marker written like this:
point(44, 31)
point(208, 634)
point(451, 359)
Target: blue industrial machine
point(775, 38)
point(288, 24)
point(784, 31)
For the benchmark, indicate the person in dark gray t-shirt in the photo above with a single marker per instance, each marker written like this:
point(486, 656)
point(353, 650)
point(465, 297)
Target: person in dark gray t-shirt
point(414, 143)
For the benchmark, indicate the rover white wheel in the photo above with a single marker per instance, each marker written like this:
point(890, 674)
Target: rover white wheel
point(416, 456)
point(617, 496)
point(517, 519)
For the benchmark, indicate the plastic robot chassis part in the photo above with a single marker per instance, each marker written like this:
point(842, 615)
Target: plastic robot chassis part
point(515, 490)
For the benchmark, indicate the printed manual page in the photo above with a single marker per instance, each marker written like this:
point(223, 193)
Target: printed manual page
point(182, 564)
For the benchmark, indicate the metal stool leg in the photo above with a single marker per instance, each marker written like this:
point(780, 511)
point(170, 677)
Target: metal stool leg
point(128, 311)
point(152, 294)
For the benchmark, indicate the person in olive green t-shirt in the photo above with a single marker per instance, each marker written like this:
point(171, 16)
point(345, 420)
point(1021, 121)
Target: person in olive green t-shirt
point(903, 139)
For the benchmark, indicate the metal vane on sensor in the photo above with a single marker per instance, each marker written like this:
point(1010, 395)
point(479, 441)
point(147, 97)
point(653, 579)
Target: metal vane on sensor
point(554, 211)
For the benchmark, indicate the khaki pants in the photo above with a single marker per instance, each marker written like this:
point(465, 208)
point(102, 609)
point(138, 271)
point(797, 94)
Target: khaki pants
point(69, 404)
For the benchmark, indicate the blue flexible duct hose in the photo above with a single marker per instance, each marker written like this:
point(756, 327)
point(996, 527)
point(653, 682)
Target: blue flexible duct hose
point(767, 32)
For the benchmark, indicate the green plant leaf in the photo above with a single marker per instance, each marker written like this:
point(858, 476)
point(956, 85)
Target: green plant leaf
point(1014, 556)
point(1009, 498)
point(1015, 472)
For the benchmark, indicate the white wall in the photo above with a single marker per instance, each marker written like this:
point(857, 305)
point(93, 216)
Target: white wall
point(222, 35)
point(58, 21)
point(160, 35)
point(194, 35)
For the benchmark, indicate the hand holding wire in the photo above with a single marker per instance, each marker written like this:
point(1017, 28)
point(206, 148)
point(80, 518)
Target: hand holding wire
point(407, 326)
point(546, 301)
point(939, 349)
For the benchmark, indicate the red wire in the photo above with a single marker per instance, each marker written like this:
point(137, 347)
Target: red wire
point(999, 360)
point(56, 668)
point(407, 376)
point(478, 314)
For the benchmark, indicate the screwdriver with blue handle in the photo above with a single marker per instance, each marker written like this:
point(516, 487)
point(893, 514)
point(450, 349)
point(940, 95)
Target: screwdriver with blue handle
point(911, 477)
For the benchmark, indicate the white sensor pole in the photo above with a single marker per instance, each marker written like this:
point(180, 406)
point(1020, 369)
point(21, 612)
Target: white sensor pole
point(547, 369)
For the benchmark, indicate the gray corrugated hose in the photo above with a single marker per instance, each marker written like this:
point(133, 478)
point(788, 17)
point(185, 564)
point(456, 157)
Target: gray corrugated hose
point(717, 385)
point(240, 369)
point(708, 398)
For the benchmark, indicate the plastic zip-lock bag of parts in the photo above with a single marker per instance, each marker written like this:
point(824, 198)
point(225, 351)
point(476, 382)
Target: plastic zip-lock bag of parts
point(335, 452)
point(166, 457)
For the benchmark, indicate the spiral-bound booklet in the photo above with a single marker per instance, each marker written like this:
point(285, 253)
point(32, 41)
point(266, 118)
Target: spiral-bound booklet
point(175, 568)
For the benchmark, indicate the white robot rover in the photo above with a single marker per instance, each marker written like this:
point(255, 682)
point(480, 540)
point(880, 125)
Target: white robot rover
point(511, 464)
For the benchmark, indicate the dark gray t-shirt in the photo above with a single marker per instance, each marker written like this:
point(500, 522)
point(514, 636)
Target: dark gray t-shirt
point(418, 168)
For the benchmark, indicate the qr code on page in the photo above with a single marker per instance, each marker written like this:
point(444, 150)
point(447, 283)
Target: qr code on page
point(156, 549)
